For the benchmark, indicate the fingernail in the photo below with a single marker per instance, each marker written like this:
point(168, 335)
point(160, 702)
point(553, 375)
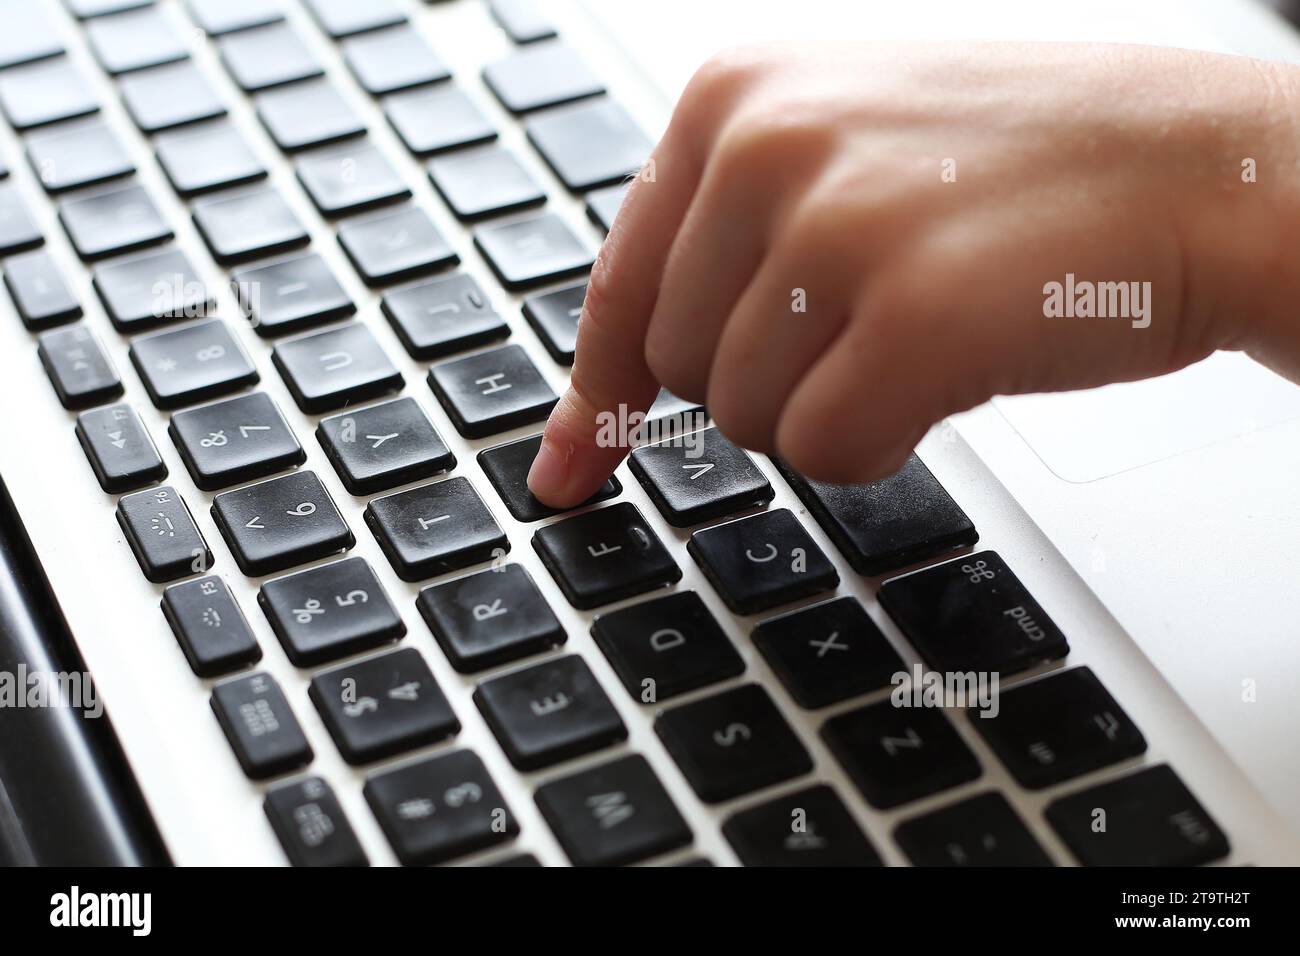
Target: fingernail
point(550, 471)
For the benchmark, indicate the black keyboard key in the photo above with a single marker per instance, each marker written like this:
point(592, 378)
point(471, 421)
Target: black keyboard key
point(170, 96)
point(613, 815)
point(605, 556)
point(291, 294)
point(492, 392)
point(590, 144)
point(45, 92)
point(554, 317)
point(162, 534)
point(546, 74)
point(260, 726)
point(1059, 727)
point(549, 712)
point(972, 613)
point(1151, 819)
point(82, 154)
point(212, 156)
point(233, 441)
point(266, 57)
point(895, 755)
point(759, 562)
point(219, 17)
point(337, 367)
point(666, 647)
point(438, 528)
point(329, 612)
point(342, 18)
point(484, 182)
point(311, 826)
point(119, 448)
point(281, 523)
point(79, 370)
point(383, 706)
point(191, 364)
point(151, 288)
point(732, 743)
point(440, 808)
point(901, 520)
point(981, 831)
point(28, 35)
point(210, 627)
point(383, 446)
point(40, 294)
point(811, 827)
point(85, 9)
point(507, 468)
point(603, 205)
point(395, 246)
point(443, 316)
point(110, 223)
point(350, 179)
point(17, 231)
point(307, 114)
point(828, 652)
point(699, 477)
point(519, 859)
point(489, 618)
point(437, 118)
point(522, 20)
point(134, 41)
point(248, 226)
point(392, 60)
point(527, 252)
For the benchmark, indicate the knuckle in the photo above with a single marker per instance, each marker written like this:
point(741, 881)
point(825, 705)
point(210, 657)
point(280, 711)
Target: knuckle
point(739, 420)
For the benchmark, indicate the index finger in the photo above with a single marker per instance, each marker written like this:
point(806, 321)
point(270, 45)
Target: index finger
point(610, 374)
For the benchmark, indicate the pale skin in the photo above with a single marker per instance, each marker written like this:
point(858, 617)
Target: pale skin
point(920, 198)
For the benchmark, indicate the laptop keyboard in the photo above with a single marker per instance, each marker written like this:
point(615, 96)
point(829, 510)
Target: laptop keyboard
point(364, 676)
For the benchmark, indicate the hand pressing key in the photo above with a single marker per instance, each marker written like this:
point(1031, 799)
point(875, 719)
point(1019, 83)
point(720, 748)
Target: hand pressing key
point(842, 245)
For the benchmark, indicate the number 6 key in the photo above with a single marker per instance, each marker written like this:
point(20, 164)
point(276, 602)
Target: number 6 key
point(281, 523)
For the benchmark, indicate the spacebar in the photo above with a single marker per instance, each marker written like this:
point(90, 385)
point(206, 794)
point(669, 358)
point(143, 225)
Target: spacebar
point(67, 796)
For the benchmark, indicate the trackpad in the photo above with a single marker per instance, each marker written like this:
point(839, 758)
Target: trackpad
point(1085, 436)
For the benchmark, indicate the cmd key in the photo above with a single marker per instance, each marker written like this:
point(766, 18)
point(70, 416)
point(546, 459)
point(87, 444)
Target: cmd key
point(902, 520)
point(973, 613)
